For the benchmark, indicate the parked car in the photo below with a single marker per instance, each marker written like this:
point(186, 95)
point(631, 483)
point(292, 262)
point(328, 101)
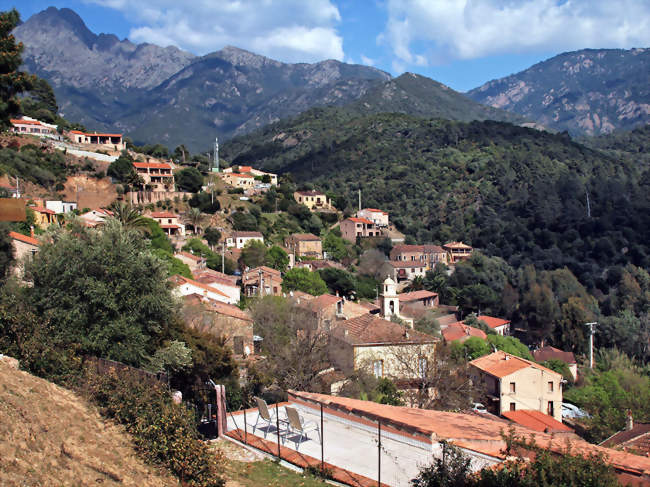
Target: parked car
point(479, 408)
point(572, 411)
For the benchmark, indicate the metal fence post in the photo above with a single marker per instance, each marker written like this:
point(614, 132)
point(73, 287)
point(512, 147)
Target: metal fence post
point(245, 428)
point(322, 441)
point(379, 453)
point(277, 420)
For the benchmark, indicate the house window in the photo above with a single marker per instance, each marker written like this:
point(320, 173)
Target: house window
point(339, 307)
point(512, 388)
point(550, 386)
point(549, 408)
point(378, 368)
point(423, 365)
point(512, 406)
point(169, 220)
point(238, 345)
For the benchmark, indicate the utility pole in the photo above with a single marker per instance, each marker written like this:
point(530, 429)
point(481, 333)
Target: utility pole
point(588, 205)
point(359, 199)
point(591, 342)
point(216, 155)
point(223, 258)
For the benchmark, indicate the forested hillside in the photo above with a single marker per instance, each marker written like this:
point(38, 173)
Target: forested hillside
point(525, 195)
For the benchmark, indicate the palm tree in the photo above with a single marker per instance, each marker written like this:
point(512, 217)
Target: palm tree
point(129, 216)
point(195, 218)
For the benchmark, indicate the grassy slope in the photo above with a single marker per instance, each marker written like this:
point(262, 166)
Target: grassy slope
point(50, 436)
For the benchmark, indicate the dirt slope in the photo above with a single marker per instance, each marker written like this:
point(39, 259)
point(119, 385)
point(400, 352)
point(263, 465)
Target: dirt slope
point(50, 436)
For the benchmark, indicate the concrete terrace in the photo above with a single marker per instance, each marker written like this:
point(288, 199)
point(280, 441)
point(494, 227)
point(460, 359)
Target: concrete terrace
point(350, 447)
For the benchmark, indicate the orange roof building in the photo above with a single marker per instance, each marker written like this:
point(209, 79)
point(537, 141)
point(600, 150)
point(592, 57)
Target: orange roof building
point(460, 331)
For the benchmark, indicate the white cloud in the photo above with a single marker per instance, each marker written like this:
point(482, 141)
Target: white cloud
point(367, 61)
point(287, 30)
point(423, 32)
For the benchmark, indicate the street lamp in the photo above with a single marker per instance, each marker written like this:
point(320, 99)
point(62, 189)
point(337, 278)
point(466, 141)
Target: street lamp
point(591, 342)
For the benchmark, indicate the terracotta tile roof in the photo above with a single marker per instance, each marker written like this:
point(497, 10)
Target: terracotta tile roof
point(457, 245)
point(458, 331)
point(536, 420)
point(25, 122)
point(245, 176)
point(360, 220)
point(448, 320)
point(304, 237)
point(399, 264)
point(476, 432)
point(247, 234)
point(319, 303)
point(40, 209)
point(163, 214)
point(230, 310)
point(549, 353)
point(636, 439)
point(424, 249)
point(491, 321)
point(369, 329)
point(195, 258)
point(416, 295)
point(209, 277)
point(151, 165)
point(179, 280)
point(375, 210)
point(217, 274)
point(310, 193)
point(245, 168)
point(24, 238)
point(501, 364)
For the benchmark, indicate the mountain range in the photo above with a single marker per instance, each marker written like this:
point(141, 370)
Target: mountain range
point(169, 96)
point(587, 92)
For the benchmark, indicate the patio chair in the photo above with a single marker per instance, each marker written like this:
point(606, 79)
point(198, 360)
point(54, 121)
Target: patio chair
point(299, 427)
point(265, 416)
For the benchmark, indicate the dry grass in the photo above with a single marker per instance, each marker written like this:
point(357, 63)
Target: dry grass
point(51, 436)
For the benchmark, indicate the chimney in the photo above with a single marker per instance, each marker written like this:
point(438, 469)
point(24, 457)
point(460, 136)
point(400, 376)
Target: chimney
point(31, 231)
point(630, 420)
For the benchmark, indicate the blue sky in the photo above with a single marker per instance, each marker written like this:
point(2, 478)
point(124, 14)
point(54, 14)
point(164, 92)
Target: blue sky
point(462, 43)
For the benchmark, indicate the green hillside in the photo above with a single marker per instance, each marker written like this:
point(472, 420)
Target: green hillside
point(512, 191)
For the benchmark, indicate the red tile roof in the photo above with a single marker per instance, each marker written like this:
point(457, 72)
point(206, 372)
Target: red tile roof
point(424, 249)
point(179, 280)
point(245, 168)
point(40, 209)
point(310, 193)
point(536, 420)
point(163, 214)
point(476, 432)
point(195, 258)
point(208, 279)
point(246, 234)
point(456, 245)
point(416, 296)
point(212, 274)
point(230, 310)
point(24, 238)
point(492, 322)
point(151, 165)
point(319, 303)
point(375, 210)
point(549, 353)
point(369, 329)
point(458, 331)
point(304, 237)
point(501, 364)
point(636, 439)
point(25, 122)
point(360, 220)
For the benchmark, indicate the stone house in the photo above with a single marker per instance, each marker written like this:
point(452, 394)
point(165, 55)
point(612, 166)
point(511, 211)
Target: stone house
point(304, 245)
point(169, 222)
point(428, 254)
point(157, 176)
point(551, 353)
point(262, 281)
point(352, 227)
point(458, 251)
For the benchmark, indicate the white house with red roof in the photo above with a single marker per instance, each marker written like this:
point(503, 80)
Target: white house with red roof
point(169, 222)
point(222, 282)
point(31, 126)
point(96, 217)
point(112, 141)
point(156, 175)
point(258, 175)
point(184, 286)
point(378, 217)
point(239, 239)
point(404, 271)
point(499, 325)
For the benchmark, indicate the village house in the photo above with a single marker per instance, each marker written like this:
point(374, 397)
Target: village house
point(24, 245)
point(551, 353)
point(256, 173)
point(262, 281)
point(513, 383)
point(219, 281)
point(378, 217)
point(428, 254)
point(304, 245)
point(461, 332)
point(157, 176)
point(111, 141)
point(424, 298)
point(458, 251)
point(381, 347)
point(193, 261)
point(223, 320)
point(31, 126)
point(44, 217)
point(352, 228)
point(244, 181)
point(184, 287)
point(635, 438)
point(314, 265)
point(404, 271)
point(169, 222)
point(498, 325)
point(326, 308)
point(240, 239)
point(314, 200)
point(60, 207)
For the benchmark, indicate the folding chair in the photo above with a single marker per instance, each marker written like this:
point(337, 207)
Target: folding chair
point(300, 427)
